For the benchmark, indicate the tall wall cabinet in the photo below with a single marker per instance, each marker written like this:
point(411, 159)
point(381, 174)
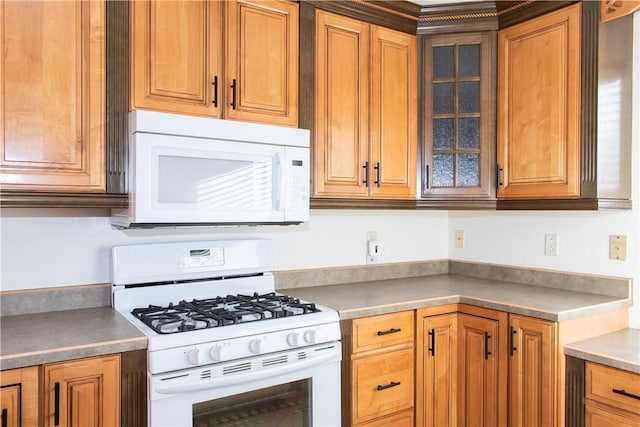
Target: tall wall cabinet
point(210, 58)
point(365, 125)
point(53, 96)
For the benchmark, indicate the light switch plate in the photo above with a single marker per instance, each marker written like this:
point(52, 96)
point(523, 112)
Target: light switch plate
point(618, 247)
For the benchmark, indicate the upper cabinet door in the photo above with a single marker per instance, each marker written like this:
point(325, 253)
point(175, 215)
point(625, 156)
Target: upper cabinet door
point(393, 113)
point(176, 56)
point(341, 130)
point(459, 115)
point(539, 107)
point(52, 86)
point(262, 61)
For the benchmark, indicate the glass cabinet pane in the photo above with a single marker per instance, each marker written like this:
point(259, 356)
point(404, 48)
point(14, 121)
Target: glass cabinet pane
point(468, 97)
point(468, 170)
point(443, 62)
point(443, 98)
point(469, 133)
point(469, 60)
point(443, 134)
point(443, 170)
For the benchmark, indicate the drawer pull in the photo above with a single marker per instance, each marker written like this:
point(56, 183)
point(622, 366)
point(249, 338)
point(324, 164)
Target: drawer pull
point(386, 386)
point(5, 416)
point(622, 392)
point(389, 331)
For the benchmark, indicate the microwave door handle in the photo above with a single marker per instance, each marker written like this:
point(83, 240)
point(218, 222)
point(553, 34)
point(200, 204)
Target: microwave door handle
point(279, 187)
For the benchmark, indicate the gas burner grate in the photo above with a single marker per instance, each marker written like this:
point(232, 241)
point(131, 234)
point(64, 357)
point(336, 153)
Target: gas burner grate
point(220, 311)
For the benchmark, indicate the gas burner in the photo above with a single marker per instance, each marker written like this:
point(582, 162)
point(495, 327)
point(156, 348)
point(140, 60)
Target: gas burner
point(221, 311)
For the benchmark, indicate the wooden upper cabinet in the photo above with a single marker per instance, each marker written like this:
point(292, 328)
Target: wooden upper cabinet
point(52, 86)
point(87, 392)
point(539, 107)
point(262, 61)
point(458, 138)
point(178, 54)
point(393, 127)
point(341, 131)
point(365, 126)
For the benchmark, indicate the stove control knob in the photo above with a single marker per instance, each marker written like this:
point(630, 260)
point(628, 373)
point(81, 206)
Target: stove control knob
point(293, 339)
point(255, 345)
point(216, 353)
point(193, 356)
point(310, 336)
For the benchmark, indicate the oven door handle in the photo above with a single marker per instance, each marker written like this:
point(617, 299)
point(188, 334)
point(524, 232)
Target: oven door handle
point(187, 386)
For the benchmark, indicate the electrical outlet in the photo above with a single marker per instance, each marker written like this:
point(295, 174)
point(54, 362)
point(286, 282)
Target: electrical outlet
point(552, 244)
point(459, 238)
point(618, 247)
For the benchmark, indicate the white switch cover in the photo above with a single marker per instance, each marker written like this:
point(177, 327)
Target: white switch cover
point(551, 244)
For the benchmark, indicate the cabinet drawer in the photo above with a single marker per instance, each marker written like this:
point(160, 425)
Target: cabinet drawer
point(403, 419)
point(382, 384)
point(615, 387)
point(598, 417)
point(370, 333)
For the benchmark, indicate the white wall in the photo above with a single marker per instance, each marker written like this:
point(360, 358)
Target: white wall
point(58, 247)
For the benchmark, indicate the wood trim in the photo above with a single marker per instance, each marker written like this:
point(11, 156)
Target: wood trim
point(133, 388)
point(21, 199)
point(564, 204)
point(379, 13)
point(468, 17)
point(117, 96)
point(318, 203)
point(613, 9)
point(574, 399)
point(510, 12)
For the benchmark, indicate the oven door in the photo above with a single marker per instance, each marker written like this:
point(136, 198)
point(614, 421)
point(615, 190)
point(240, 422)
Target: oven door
point(294, 388)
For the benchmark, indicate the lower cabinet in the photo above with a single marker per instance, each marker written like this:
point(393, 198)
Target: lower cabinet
point(378, 370)
point(81, 393)
point(612, 397)
point(19, 397)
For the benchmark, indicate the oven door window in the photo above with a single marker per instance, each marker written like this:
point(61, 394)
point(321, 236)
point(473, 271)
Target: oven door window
point(281, 405)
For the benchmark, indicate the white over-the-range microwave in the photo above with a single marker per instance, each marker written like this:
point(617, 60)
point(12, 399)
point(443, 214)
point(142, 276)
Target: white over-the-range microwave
point(188, 171)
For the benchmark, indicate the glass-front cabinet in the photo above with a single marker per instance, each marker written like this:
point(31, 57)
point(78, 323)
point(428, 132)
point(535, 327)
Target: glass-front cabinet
point(458, 123)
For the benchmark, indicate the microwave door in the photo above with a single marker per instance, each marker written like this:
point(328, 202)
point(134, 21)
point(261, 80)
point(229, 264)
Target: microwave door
point(193, 182)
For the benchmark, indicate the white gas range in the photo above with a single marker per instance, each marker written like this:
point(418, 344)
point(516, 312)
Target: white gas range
point(224, 348)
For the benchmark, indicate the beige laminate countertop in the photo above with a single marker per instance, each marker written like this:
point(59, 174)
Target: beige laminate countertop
point(361, 299)
point(34, 339)
point(620, 349)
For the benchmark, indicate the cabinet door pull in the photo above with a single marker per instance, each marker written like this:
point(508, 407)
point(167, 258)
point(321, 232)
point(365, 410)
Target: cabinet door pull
point(233, 94)
point(56, 404)
point(486, 345)
point(215, 91)
point(5, 415)
point(432, 349)
point(624, 393)
point(499, 176)
point(512, 339)
point(426, 177)
point(386, 386)
point(377, 168)
point(389, 331)
point(365, 181)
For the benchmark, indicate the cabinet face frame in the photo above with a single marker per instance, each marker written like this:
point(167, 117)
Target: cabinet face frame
point(47, 144)
point(487, 116)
